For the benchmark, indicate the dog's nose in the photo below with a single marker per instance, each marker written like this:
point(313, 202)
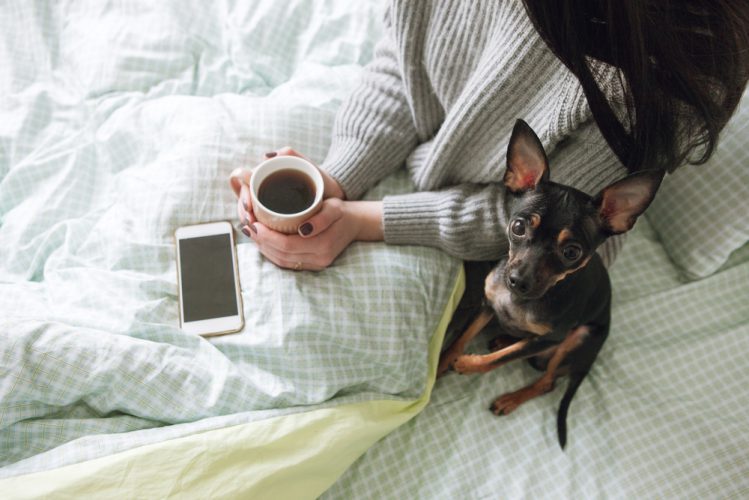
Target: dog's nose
point(517, 283)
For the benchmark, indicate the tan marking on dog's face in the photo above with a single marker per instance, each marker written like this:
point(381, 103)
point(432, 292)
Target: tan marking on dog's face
point(564, 235)
point(535, 221)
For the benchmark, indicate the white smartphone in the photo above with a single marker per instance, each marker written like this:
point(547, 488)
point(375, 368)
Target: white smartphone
point(210, 302)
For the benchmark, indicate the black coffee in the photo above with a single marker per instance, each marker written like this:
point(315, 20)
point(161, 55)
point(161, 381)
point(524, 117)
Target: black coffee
point(287, 192)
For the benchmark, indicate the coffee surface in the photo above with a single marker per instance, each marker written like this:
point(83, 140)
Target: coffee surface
point(287, 192)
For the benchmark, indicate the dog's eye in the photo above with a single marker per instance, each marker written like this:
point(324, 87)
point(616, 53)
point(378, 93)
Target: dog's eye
point(518, 227)
point(572, 252)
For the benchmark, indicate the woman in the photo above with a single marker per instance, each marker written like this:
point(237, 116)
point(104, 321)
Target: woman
point(609, 87)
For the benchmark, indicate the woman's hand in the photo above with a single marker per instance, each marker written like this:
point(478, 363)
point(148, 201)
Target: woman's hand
point(321, 238)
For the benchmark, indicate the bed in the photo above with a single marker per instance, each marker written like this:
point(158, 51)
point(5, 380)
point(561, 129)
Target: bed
point(121, 121)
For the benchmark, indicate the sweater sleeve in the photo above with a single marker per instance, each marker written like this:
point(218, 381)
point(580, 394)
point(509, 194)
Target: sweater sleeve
point(374, 130)
point(468, 221)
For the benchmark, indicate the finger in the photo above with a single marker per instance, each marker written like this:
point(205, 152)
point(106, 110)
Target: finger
point(310, 261)
point(246, 217)
point(238, 177)
point(285, 262)
point(284, 259)
point(286, 151)
point(288, 247)
point(291, 245)
point(331, 211)
point(244, 206)
point(244, 197)
point(242, 213)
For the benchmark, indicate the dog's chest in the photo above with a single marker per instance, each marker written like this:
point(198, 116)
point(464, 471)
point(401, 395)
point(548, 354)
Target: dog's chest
point(513, 317)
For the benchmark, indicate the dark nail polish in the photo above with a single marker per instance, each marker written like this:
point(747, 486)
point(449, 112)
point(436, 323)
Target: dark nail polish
point(271, 154)
point(254, 229)
point(246, 232)
point(305, 229)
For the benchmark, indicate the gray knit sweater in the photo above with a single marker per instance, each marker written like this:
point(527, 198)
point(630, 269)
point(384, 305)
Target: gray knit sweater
point(441, 96)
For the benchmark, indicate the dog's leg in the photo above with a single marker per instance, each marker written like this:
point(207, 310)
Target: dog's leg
point(509, 402)
point(458, 347)
point(482, 363)
point(501, 341)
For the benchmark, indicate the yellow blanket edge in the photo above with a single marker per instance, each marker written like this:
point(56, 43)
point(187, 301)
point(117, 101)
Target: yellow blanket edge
point(291, 456)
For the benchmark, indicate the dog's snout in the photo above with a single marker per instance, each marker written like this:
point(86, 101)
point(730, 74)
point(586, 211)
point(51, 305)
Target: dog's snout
point(516, 282)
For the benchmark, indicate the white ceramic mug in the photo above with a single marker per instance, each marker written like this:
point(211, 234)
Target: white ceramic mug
point(285, 222)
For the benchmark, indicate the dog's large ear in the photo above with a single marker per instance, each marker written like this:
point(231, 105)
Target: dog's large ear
point(622, 202)
point(526, 160)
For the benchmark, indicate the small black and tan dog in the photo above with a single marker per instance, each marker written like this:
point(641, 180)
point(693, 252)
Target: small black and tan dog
point(552, 294)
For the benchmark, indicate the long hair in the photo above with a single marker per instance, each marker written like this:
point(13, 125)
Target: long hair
point(683, 66)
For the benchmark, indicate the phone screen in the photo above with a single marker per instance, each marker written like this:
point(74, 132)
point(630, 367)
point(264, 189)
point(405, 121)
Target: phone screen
point(207, 277)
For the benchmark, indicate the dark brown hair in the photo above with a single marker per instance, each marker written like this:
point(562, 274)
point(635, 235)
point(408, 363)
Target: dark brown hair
point(683, 66)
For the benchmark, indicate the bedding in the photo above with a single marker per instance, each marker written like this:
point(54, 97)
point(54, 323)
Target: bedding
point(700, 213)
point(662, 414)
point(121, 121)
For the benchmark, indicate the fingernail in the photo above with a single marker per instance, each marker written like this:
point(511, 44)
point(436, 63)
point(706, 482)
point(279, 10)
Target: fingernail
point(305, 229)
point(246, 232)
point(271, 154)
point(245, 200)
point(254, 229)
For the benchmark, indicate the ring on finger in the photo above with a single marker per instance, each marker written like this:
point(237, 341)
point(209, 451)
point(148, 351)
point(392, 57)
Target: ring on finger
point(298, 266)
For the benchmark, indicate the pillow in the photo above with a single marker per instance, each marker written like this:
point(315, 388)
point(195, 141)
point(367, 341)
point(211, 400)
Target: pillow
point(701, 212)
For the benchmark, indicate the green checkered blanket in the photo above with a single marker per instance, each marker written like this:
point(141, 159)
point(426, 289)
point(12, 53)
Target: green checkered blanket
point(661, 415)
point(119, 123)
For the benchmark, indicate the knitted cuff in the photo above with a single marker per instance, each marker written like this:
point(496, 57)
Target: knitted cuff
point(413, 218)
